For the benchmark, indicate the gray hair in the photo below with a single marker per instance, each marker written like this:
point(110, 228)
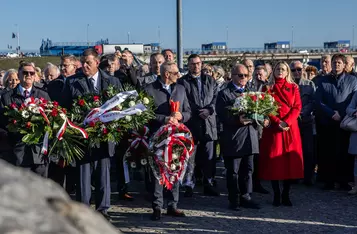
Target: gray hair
point(236, 66)
point(219, 70)
point(50, 66)
point(7, 74)
point(166, 67)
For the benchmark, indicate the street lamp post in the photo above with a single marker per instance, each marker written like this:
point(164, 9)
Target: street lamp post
point(18, 39)
point(179, 34)
point(87, 35)
point(128, 37)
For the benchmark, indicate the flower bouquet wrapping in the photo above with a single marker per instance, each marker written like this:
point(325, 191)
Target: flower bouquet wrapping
point(107, 116)
point(137, 153)
point(255, 105)
point(170, 147)
point(42, 121)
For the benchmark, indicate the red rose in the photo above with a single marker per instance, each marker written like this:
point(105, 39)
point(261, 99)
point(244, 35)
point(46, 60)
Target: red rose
point(254, 98)
point(28, 125)
point(64, 110)
point(118, 130)
point(14, 121)
point(81, 102)
point(13, 105)
point(263, 95)
point(55, 103)
point(91, 124)
point(54, 112)
point(105, 131)
point(96, 98)
point(44, 101)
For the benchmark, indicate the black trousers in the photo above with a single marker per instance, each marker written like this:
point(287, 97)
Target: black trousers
point(335, 164)
point(158, 196)
point(239, 176)
point(204, 159)
point(66, 177)
point(307, 140)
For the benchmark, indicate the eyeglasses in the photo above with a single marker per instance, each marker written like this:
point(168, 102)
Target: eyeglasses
point(241, 75)
point(297, 69)
point(175, 73)
point(28, 73)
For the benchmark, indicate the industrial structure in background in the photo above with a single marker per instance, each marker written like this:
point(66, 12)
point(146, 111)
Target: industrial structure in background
point(49, 48)
point(277, 45)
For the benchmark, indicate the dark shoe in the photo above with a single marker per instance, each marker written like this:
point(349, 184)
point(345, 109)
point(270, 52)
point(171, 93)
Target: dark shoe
point(125, 197)
point(250, 204)
point(210, 191)
point(260, 189)
point(175, 213)
point(234, 206)
point(106, 215)
point(214, 182)
point(285, 200)
point(276, 201)
point(188, 192)
point(156, 215)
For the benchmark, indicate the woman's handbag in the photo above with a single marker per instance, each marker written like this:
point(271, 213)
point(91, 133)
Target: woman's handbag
point(349, 123)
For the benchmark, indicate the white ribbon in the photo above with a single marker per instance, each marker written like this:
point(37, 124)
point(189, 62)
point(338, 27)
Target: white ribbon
point(110, 104)
point(44, 149)
point(116, 115)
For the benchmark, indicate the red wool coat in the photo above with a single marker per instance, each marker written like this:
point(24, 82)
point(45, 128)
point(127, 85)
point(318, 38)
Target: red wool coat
point(281, 151)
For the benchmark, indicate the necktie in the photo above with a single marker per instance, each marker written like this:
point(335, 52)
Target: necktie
point(199, 85)
point(26, 93)
point(92, 83)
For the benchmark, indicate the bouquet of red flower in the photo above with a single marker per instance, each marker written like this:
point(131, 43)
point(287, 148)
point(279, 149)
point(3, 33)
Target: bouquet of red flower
point(107, 116)
point(255, 105)
point(170, 147)
point(41, 120)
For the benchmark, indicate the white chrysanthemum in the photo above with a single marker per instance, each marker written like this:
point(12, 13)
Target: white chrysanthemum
point(146, 101)
point(128, 118)
point(260, 96)
point(143, 161)
point(174, 156)
point(120, 107)
point(133, 165)
point(173, 167)
point(131, 103)
point(25, 114)
point(139, 112)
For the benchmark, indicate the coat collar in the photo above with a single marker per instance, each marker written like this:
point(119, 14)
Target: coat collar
point(103, 80)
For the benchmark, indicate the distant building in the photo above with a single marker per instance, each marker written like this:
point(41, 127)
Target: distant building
point(49, 48)
point(277, 45)
point(152, 48)
point(214, 46)
point(340, 44)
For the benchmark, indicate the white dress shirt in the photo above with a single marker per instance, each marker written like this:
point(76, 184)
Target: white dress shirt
point(22, 90)
point(96, 83)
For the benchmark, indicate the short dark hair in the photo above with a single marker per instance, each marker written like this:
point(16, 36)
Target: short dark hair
point(339, 56)
point(108, 57)
point(192, 56)
point(126, 50)
point(90, 51)
point(165, 50)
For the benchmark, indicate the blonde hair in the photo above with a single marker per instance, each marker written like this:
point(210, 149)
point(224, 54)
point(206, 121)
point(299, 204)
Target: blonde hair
point(288, 78)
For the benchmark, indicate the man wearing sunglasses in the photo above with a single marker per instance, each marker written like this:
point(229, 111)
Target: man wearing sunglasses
point(241, 141)
point(307, 93)
point(163, 90)
point(27, 156)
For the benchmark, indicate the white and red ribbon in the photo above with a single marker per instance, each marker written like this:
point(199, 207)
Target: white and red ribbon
point(63, 128)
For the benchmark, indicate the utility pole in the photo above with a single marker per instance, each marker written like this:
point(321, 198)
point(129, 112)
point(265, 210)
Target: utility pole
point(353, 36)
point(292, 37)
point(128, 37)
point(179, 34)
point(227, 38)
point(87, 35)
point(159, 34)
point(18, 39)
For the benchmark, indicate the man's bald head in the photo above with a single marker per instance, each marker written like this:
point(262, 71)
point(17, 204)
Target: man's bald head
point(350, 63)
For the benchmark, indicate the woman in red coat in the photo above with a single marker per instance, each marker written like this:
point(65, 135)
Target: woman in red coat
point(280, 146)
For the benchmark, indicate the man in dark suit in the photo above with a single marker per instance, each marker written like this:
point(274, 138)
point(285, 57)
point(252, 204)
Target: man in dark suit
point(163, 90)
point(201, 93)
point(27, 156)
point(241, 142)
point(156, 60)
point(93, 80)
point(63, 176)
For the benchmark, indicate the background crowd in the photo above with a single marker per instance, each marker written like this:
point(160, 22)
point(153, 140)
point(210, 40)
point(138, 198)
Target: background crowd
point(303, 143)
